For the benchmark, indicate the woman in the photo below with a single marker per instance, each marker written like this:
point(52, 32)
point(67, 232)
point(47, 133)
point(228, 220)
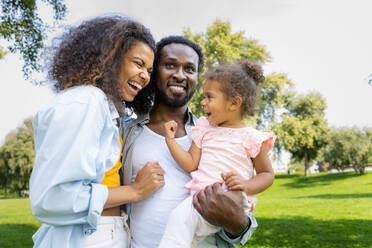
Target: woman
point(74, 188)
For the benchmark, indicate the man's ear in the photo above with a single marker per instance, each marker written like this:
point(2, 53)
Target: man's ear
point(236, 103)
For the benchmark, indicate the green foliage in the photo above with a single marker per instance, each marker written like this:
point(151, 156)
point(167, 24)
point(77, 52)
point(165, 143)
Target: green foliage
point(18, 157)
point(349, 147)
point(3, 175)
point(21, 25)
point(273, 96)
point(221, 46)
point(296, 165)
point(303, 130)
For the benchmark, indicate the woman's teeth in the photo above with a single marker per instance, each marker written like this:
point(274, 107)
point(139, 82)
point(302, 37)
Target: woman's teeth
point(137, 85)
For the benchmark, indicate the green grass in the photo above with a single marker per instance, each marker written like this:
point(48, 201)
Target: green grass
point(17, 225)
point(323, 210)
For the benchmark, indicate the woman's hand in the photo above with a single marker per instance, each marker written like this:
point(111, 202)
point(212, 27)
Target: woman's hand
point(148, 179)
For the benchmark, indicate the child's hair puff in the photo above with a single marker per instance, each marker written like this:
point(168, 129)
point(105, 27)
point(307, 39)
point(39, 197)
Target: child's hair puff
point(242, 80)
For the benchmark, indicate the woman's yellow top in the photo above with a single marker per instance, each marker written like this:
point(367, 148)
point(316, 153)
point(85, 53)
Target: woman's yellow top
point(112, 178)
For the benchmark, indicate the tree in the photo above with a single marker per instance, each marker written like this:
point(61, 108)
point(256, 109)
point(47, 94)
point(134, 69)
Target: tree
point(274, 94)
point(4, 176)
point(22, 27)
point(221, 46)
point(4, 166)
point(349, 146)
point(18, 157)
point(334, 154)
point(303, 129)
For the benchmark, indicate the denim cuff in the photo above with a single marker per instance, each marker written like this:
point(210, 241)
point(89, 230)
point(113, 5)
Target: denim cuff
point(245, 235)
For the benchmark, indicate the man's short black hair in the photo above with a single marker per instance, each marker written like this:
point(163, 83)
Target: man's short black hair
point(178, 40)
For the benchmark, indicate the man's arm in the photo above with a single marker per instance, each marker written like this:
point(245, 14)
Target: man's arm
point(225, 209)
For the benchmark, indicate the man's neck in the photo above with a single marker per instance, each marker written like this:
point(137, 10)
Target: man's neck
point(163, 113)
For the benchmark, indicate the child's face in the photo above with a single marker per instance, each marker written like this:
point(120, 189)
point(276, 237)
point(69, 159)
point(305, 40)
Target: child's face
point(215, 104)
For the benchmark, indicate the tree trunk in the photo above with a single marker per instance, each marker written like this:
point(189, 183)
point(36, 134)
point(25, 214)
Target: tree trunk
point(361, 170)
point(6, 181)
point(306, 165)
point(5, 190)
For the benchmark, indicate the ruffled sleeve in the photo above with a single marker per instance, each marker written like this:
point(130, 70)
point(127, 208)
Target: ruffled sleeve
point(254, 140)
point(199, 130)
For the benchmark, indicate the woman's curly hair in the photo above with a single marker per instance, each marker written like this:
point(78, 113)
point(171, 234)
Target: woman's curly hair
point(241, 80)
point(91, 53)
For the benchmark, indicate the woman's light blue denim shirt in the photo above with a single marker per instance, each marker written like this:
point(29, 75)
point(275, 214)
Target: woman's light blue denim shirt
point(76, 142)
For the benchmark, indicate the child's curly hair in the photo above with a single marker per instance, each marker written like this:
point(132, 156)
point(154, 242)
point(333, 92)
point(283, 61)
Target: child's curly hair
point(91, 53)
point(240, 80)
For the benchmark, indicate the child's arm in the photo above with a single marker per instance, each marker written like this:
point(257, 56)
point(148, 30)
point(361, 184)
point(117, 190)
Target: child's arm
point(189, 161)
point(263, 179)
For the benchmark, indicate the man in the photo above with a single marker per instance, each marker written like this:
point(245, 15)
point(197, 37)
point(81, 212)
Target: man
point(177, 65)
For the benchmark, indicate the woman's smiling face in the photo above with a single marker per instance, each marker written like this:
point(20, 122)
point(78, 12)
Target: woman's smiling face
point(135, 70)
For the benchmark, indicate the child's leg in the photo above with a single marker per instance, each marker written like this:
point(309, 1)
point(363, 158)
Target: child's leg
point(184, 223)
point(203, 229)
point(181, 226)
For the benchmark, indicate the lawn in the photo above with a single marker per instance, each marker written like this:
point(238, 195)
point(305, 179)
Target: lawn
point(16, 223)
point(323, 210)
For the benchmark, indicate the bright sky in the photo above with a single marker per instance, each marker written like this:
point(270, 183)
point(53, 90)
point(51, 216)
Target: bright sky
point(322, 45)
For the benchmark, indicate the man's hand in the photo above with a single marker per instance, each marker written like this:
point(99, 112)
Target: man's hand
point(220, 208)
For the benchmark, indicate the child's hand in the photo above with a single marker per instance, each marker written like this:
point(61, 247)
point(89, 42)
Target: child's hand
point(170, 129)
point(234, 181)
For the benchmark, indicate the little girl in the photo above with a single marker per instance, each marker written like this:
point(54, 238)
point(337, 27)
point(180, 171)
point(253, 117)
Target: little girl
point(224, 150)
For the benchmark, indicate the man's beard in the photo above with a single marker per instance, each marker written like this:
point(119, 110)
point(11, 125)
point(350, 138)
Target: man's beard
point(172, 102)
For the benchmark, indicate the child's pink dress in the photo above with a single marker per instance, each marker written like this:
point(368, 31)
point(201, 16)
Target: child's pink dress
point(223, 150)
